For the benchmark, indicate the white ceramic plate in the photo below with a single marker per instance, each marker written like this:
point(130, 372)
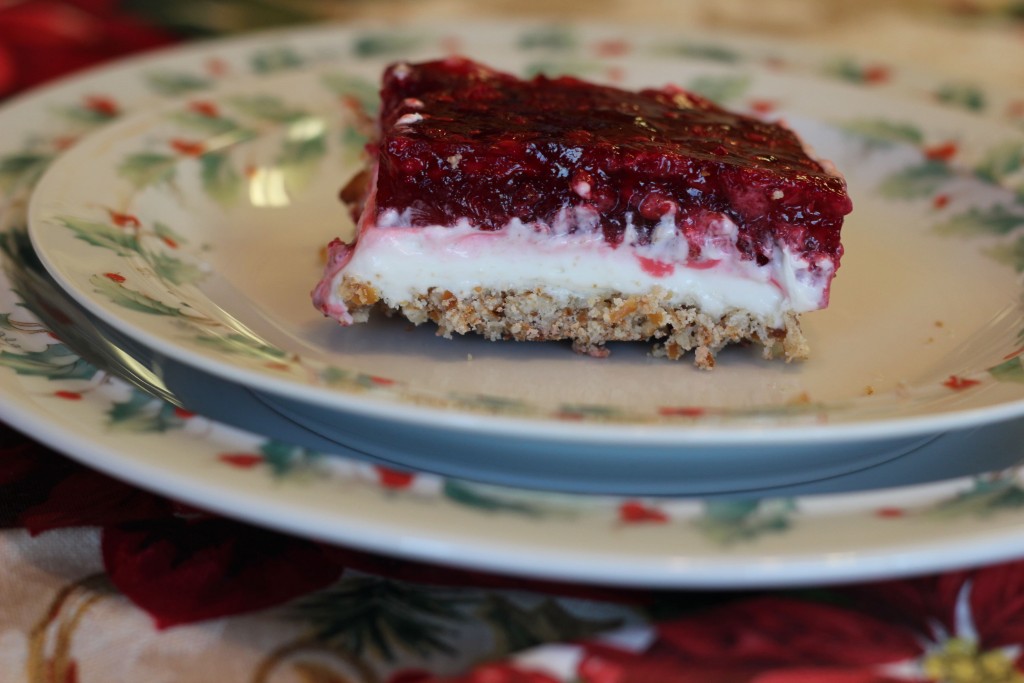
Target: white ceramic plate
point(49, 393)
point(197, 228)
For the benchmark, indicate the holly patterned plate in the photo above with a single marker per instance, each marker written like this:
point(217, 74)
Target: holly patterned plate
point(198, 228)
point(924, 163)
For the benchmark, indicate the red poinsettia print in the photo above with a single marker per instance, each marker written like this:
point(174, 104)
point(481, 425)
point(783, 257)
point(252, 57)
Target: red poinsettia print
point(40, 491)
point(961, 626)
point(501, 672)
point(184, 570)
point(86, 498)
point(635, 512)
point(957, 383)
point(178, 563)
point(763, 640)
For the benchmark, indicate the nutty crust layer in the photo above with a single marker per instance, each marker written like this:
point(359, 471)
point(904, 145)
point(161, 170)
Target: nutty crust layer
point(535, 315)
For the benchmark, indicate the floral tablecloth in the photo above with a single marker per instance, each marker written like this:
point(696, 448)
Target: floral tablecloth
point(103, 582)
point(100, 581)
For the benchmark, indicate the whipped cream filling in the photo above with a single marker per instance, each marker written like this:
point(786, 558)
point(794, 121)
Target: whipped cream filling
point(402, 262)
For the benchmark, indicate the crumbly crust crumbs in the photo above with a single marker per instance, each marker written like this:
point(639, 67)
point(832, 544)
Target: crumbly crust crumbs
point(535, 315)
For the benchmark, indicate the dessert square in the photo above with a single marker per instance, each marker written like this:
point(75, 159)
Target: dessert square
point(558, 209)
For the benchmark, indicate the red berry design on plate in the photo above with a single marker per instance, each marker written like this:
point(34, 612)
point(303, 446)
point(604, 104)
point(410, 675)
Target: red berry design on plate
point(64, 142)
point(875, 74)
point(615, 74)
point(394, 479)
point(68, 395)
point(611, 48)
point(762, 107)
point(124, 220)
point(102, 105)
point(216, 66)
point(243, 461)
point(958, 383)
point(189, 148)
point(204, 108)
point(942, 152)
point(681, 411)
point(451, 45)
point(633, 512)
point(115, 277)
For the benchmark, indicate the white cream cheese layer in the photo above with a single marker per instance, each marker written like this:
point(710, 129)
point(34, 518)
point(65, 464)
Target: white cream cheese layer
point(402, 262)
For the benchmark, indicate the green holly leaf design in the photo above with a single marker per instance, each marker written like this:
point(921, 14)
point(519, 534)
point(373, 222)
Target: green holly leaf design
point(1010, 370)
point(884, 132)
point(559, 38)
point(846, 70)
point(480, 497)
point(56, 361)
point(221, 182)
point(706, 51)
point(145, 169)
point(986, 497)
point(276, 59)
point(730, 521)
point(267, 108)
point(301, 157)
point(173, 269)
point(174, 84)
point(720, 88)
point(387, 43)
point(1011, 254)
point(1001, 162)
point(244, 345)
point(363, 91)
point(22, 169)
point(517, 628)
point(963, 95)
point(914, 182)
point(496, 404)
point(853, 71)
point(143, 414)
point(103, 235)
point(90, 116)
point(168, 235)
point(996, 219)
point(213, 126)
point(589, 411)
point(284, 458)
point(131, 299)
point(335, 376)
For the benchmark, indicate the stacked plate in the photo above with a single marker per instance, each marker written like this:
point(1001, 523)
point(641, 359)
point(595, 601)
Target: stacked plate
point(164, 219)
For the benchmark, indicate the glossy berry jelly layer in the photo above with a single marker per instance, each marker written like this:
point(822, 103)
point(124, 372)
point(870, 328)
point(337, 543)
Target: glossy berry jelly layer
point(460, 141)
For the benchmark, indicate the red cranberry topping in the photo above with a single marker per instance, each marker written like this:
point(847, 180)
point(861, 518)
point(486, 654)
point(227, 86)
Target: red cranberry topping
point(461, 140)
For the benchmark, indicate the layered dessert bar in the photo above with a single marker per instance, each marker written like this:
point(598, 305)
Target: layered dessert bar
point(555, 208)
